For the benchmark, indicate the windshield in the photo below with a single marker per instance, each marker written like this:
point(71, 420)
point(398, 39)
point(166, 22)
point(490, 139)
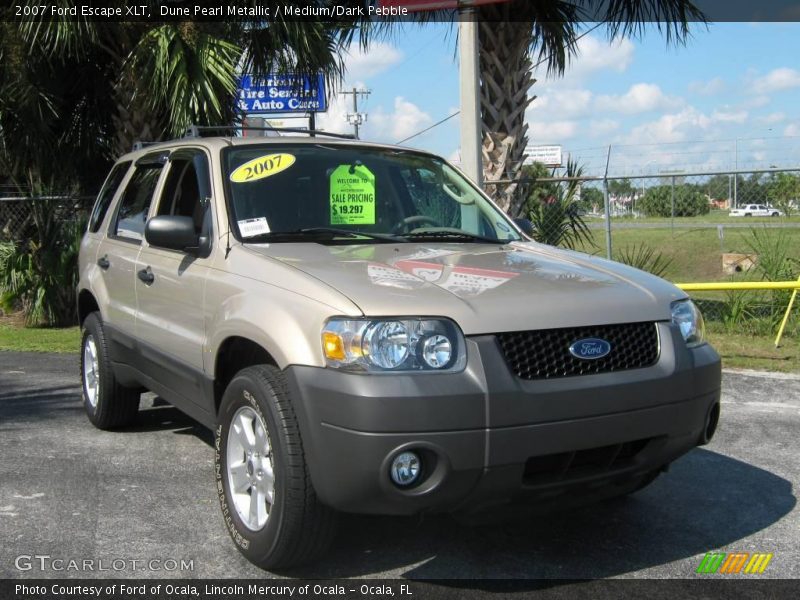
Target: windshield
point(278, 192)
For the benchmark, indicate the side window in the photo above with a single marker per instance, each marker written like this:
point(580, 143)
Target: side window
point(135, 203)
point(107, 194)
point(186, 190)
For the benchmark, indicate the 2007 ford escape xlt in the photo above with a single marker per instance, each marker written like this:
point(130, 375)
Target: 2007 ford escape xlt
point(365, 331)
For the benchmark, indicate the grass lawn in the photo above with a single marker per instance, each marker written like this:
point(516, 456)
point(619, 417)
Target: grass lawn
point(696, 253)
point(739, 351)
point(24, 339)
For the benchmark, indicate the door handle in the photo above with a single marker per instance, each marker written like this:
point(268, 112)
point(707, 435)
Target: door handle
point(103, 262)
point(146, 275)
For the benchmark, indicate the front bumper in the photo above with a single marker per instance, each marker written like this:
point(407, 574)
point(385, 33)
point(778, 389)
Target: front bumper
point(487, 437)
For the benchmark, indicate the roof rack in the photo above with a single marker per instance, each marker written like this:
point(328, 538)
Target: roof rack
point(138, 145)
point(194, 131)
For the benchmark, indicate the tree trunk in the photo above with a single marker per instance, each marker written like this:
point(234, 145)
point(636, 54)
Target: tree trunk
point(505, 81)
point(133, 120)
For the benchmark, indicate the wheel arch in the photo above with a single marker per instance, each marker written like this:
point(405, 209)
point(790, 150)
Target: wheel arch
point(234, 354)
point(87, 304)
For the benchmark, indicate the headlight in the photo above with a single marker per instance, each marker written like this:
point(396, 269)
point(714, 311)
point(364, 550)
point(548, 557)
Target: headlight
point(392, 345)
point(689, 320)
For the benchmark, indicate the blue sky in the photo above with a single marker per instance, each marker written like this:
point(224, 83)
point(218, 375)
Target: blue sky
point(660, 108)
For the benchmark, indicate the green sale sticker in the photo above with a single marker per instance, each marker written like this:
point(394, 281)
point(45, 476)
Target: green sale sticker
point(352, 197)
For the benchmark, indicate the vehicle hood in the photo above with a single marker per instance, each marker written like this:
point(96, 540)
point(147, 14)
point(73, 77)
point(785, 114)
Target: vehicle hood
point(485, 288)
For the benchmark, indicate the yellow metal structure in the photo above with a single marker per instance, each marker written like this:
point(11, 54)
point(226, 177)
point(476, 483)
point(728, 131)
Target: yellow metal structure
point(721, 286)
point(786, 316)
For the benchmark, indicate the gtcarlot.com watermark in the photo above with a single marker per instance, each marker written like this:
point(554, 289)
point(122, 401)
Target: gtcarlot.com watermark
point(46, 562)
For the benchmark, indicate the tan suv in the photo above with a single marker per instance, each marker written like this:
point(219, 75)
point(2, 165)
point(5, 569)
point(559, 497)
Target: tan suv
point(365, 331)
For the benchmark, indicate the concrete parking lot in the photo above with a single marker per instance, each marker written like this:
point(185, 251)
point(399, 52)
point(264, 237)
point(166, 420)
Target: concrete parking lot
point(71, 492)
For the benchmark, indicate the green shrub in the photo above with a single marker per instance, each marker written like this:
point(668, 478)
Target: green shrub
point(642, 256)
point(556, 212)
point(38, 274)
point(689, 201)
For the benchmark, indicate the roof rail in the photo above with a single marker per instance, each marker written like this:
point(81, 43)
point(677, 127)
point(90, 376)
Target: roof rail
point(138, 145)
point(197, 130)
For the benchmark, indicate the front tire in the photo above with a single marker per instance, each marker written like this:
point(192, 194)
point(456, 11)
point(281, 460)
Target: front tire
point(108, 404)
point(269, 504)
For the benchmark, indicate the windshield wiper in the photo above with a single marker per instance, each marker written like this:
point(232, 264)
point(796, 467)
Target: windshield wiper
point(463, 235)
point(328, 232)
point(387, 237)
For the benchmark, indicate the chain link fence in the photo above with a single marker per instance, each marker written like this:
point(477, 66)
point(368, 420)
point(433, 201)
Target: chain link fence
point(18, 213)
point(686, 228)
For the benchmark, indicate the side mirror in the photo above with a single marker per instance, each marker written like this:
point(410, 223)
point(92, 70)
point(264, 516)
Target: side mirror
point(525, 225)
point(174, 233)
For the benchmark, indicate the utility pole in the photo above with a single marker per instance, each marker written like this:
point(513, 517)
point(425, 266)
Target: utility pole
point(736, 173)
point(356, 118)
point(471, 159)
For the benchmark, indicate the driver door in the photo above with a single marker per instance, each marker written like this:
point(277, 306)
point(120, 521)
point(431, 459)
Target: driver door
point(170, 286)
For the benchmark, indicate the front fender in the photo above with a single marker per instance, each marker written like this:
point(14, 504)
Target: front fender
point(285, 324)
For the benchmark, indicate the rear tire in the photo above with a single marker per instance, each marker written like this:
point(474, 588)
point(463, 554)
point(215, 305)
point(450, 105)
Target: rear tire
point(268, 502)
point(108, 404)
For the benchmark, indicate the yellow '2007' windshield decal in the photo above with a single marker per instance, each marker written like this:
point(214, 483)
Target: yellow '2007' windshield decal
point(261, 167)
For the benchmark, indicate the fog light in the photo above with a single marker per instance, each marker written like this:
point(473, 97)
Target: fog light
point(405, 468)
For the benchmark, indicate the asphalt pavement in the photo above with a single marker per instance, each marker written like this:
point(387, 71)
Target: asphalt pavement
point(69, 492)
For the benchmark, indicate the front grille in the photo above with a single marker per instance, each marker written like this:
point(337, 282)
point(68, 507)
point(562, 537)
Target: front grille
point(566, 466)
point(544, 353)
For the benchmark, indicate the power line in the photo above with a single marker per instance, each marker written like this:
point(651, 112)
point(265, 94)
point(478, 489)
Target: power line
point(429, 128)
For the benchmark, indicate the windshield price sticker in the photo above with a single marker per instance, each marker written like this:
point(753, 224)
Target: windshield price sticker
point(261, 167)
point(352, 197)
point(253, 227)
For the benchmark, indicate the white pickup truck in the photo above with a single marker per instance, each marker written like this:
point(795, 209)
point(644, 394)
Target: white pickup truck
point(755, 210)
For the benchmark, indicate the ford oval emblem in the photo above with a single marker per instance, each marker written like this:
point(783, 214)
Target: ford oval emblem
point(590, 348)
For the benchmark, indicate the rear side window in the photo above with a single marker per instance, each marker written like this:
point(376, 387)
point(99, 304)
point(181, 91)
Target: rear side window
point(135, 203)
point(107, 194)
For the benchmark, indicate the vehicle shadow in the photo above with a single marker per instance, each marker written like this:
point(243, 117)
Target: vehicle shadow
point(705, 501)
point(156, 414)
point(47, 402)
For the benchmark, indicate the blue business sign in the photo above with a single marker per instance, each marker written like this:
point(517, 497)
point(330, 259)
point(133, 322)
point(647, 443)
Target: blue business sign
point(282, 94)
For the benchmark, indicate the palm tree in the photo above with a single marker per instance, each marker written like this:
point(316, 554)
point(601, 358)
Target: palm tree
point(99, 86)
point(514, 34)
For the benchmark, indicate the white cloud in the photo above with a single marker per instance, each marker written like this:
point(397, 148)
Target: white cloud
point(777, 80)
point(544, 132)
point(756, 102)
point(603, 127)
point(595, 54)
point(566, 103)
point(772, 118)
point(641, 97)
point(406, 119)
point(379, 58)
point(688, 123)
point(708, 88)
point(792, 129)
point(668, 128)
point(739, 116)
